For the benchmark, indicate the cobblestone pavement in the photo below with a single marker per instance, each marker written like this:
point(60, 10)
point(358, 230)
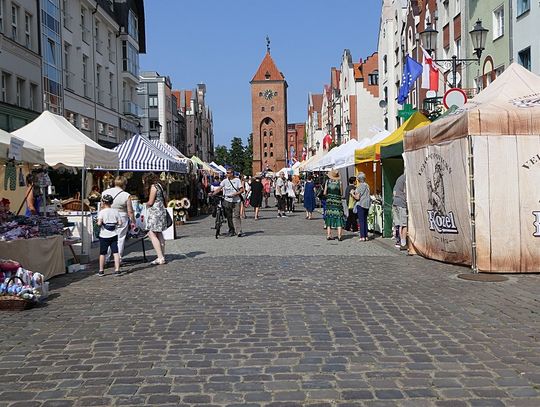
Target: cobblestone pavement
point(291, 320)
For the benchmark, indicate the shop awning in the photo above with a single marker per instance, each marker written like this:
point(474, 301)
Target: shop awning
point(373, 151)
point(140, 154)
point(30, 153)
point(174, 153)
point(64, 144)
point(200, 163)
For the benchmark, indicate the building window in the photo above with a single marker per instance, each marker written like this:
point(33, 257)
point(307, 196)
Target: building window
point(65, 13)
point(111, 90)
point(110, 46)
point(85, 75)
point(271, 145)
point(19, 92)
point(98, 41)
point(524, 58)
point(130, 58)
point(385, 64)
point(84, 30)
point(133, 26)
point(33, 96)
point(260, 93)
point(14, 21)
point(264, 133)
point(265, 154)
point(2, 5)
point(272, 109)
point(271, 153)
point(373, 78)
point(457, 48)
point(271, 133)
point(265, 145)
point(498, 23)
point(523, 6)
point(153, 101)
point(262, 109)
point(67, 52)
point(28, 30)
point(98, 84)
point(4, 87)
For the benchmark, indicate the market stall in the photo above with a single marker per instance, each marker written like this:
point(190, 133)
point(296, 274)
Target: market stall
point(65, 146)
point(473, 179)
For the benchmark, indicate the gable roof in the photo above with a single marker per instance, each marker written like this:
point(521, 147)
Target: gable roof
point(317, 102)
point(268, 71)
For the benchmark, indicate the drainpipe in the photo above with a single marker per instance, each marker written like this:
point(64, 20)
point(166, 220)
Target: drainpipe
point(96, 85)
point(511, 30)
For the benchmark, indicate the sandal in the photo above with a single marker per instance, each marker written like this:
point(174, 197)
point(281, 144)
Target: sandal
point(329, 238)
point(158, 262)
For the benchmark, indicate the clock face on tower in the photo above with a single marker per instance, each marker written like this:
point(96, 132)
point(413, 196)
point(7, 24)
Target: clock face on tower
point(268, 93)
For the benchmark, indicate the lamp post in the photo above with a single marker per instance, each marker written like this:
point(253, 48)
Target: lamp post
point(318, 144)
point(348, 128)
point(159, 127)
point(478, 36)
point(139, 128)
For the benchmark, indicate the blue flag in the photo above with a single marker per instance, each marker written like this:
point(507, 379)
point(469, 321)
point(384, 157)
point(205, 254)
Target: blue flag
point(411, 72)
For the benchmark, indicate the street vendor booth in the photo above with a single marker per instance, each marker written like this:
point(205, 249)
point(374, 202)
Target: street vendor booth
point(35, 243)
point(473, 179)
point(65, 146)
point(390, 155)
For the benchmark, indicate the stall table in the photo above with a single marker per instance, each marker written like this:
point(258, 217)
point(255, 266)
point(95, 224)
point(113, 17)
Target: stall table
point(43, 255)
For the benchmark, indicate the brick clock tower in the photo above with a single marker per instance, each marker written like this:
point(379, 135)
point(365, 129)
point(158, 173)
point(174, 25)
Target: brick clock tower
point(269, 116)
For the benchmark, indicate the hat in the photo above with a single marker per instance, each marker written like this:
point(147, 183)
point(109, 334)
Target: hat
point(333, 174)
point(107, 199)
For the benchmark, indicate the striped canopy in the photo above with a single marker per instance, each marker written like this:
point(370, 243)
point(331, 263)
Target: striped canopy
point(140, 154)
point(174, 153)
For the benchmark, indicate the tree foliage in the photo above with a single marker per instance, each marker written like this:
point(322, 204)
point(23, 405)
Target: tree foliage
point(238, 156)
point(248, 156)
point(221, 154)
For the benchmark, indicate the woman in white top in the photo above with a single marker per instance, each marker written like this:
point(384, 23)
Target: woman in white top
point(291, 195)
point(245, 195)
point(122, 203)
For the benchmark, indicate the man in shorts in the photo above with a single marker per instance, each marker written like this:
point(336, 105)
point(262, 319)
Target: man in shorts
point(399, 210)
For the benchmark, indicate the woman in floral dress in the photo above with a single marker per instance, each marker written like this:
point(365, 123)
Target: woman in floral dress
point(156, 215)
point(334, 208)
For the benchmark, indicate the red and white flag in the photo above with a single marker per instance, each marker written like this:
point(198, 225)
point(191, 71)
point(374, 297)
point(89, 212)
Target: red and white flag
point(430, 73)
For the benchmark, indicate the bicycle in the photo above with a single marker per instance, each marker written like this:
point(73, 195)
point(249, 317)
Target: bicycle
point(220, 215)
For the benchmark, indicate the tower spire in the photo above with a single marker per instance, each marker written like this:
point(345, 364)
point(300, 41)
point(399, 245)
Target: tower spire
point(267, 44)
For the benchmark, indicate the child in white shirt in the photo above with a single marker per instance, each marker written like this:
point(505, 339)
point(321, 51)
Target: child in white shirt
point(108, 219)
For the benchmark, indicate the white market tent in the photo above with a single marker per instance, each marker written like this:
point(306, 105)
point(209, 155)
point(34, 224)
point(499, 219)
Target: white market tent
point(140, 154)
point(63, 144)
point(473, 179)
point(217, 167)
point(30, 153)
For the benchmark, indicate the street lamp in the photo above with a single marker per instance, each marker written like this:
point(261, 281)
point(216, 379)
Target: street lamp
point(318, 144)
point(139, 127)
point(348, 127)
point(159, 127)
point(478, 37)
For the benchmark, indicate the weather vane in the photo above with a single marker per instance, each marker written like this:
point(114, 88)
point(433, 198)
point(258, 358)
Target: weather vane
point(267, 44)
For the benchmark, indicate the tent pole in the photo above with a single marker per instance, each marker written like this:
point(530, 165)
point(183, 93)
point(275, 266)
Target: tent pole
point(472, 203)
point(83, 230)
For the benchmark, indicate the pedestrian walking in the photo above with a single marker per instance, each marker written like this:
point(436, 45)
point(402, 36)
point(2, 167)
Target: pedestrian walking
point(309, 197)
point(245, 196)
point(333, 191)
point(352, 224)
point(256, 195)
point(281, 194)
point(363, 202)
point(399, 210)
point(291, 195)
point(267, 188)
point(108, 220)
point(156, 215)
point(122, 203)
point(232, 191)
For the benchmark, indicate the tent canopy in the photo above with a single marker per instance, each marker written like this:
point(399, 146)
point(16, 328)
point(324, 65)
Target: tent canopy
point(345, 156)
point(140, 154)
point(373, 151)
point(196, 160)
point(173, 153)
point(63, 144)
point(30, 152)
point(509, 105)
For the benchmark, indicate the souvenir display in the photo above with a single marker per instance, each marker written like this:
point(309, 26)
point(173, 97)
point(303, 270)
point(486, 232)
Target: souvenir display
point(20, 288)
point(22, 227)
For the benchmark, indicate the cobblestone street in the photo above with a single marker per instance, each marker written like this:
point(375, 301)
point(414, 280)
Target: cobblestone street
point(280, 317)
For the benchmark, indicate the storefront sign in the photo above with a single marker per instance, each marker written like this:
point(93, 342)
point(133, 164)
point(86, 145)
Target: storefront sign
point(535, 159)
point(15, 149)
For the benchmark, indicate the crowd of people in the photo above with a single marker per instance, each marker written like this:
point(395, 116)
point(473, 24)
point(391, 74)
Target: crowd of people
point(344, 207)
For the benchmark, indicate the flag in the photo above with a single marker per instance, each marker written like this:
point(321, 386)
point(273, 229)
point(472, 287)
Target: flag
point(411, 72)
point(430, 73)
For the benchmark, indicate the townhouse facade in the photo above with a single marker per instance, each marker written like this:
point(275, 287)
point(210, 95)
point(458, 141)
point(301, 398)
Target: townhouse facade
point(20, 63)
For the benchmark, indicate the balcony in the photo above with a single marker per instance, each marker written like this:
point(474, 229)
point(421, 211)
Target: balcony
point(132, 109)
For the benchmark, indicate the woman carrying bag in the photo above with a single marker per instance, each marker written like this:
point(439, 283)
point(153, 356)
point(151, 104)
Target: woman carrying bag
point(157, 216)
point(363, 203)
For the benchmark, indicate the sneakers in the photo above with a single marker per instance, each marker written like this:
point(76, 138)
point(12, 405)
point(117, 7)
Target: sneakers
point(403, 248)
point(240, 235)
point(100, 273)
point(397, 245)
point(279, 215)
point(117, 272)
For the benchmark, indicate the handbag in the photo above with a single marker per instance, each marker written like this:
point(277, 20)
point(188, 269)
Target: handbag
point(169, 219)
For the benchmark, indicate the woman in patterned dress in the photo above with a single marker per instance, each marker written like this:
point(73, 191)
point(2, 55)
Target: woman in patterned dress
point(334, 207)
point(156, 215)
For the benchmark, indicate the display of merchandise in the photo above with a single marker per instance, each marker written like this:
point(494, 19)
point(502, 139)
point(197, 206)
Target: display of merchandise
point(19, 282)
point(22, 227)
point(10, 177)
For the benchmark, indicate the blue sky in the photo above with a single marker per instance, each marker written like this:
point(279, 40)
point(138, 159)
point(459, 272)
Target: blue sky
point(222, 43)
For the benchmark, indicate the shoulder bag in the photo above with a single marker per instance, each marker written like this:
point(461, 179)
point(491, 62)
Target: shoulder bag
point(236, 189)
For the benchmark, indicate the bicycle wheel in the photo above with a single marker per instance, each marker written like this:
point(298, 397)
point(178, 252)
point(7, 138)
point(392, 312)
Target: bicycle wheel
point(219, 221)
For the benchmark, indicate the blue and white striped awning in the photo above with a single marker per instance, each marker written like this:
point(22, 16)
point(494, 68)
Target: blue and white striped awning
point(140, 154)
point(174, 152)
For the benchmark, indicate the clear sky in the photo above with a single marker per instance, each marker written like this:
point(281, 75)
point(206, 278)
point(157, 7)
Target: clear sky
point(222, 43)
